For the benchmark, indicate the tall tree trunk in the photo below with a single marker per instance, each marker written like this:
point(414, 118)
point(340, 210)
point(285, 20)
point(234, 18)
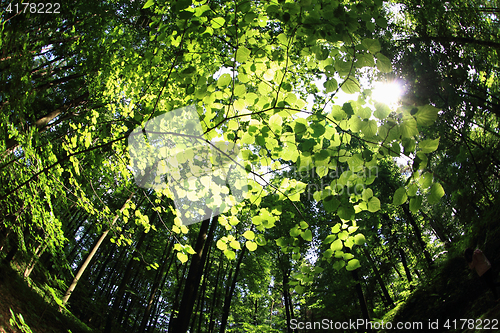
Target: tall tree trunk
point(387, 298)
point(203, 291)
point(361, 298)
point(405, 265)
point(34, 259)
point(438, 229)
point(156, 284)
point(121, 288)
point(213, 307)
point(86, 263)
point(180, 323)
point(287, 301)
point(229, 296)
point(418, 234)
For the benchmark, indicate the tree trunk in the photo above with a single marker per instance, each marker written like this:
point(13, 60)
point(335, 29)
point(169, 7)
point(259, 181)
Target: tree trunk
point(86, 263)
point(180, 323)
point(361, 298)
point(229, 296)
point(387, 298)
point(287, 301)
point(405, 265)
point(203, 291)
point(34, 259)
point(121, 288)
point(156, 284)
point(213, 307)
point(418, 234)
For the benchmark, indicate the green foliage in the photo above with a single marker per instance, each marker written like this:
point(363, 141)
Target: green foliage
point(18, 322)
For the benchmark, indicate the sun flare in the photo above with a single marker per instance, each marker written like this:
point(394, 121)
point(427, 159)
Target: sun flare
point(387, 92)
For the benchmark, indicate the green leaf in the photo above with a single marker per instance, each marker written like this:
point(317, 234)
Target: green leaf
point(367, 194)
point(353, 264)
point(428, 146)
point(336, 245)
point(415, 204)
point(383, 63)
point(230, 254)
point(350, 86)
point(251, 246)
point(400, 196)
point(240, 90)
point(373, 205)
point(328, 253)
point(330, 85)
point(235, 245)
point(182, 257)
point(338, 265)
point(242, 54)
point(365, 60)
point(359, 239)
point(295, 231)
point(329, 239)
point(370, 128)
point(381, 21)
point(318, 130)
point(425, 180)
point(224, 80)
point(331, 203)
point(346, 212)
point(221, 245)
point(372, 45)
point(249, 234)
point(412, 190)
point(260, 240)
point(381, 111)
point(336, 228)
point(426, 115)
point(307, 235)
point(218, 22)
point(148, 4)
point(409, 128)
point(276, 122)
point(299, 289)
point(436, 193)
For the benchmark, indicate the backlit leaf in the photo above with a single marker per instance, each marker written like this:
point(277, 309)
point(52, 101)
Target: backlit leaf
point(436, 193)
point(251, 246)
point(428, 146)
point(383, 63)
point(350, 86)
point(400, 196)
point(307, 235)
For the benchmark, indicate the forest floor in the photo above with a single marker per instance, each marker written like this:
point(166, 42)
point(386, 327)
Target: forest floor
point(39, 313)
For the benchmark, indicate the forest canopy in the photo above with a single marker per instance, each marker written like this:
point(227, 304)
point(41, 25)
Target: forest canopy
point(231, 166)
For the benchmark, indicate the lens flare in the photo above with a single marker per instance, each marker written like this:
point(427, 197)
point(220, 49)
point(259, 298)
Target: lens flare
point(387, 92)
